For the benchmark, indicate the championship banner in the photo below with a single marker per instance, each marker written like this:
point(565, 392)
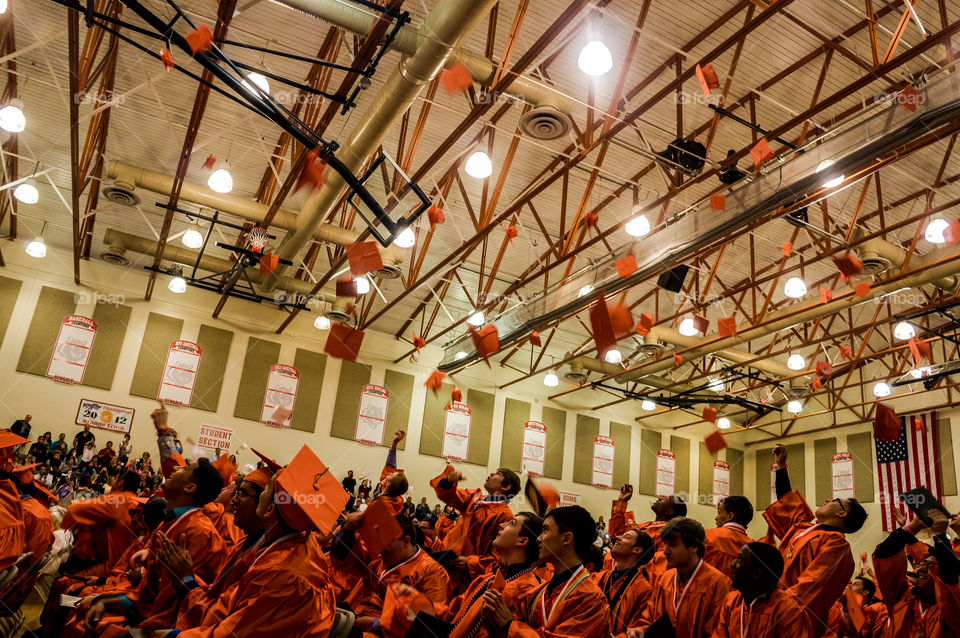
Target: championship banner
point(773, 483)
point(215, 437)
point(456, 432)
point(666, 473)
point(534, 448)
point(842, 475)
point(372, 415)
point(281, 396)
point(602, 461)
point(569, 498)
point(721, 481)
point(68, 363)
point(179, 373)
point(104, 416)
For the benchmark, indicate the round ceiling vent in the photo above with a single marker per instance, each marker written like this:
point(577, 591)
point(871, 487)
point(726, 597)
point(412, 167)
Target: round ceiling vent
point(873, 264)
point(389, 271)
point(576, 374)
point(335, 314)
point(121, 193)
point(545, 123)
point(652, 348)
point(115, 257)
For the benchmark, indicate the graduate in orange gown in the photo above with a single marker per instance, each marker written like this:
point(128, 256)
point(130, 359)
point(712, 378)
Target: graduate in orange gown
point(818, 562)
point(12, 541)
point(393, 483)
point(840, 622)
point(570, 603)
point(482, 512)
point(664, 509)
point(37, 521)
point(155, 601)
point(626, 584)
point(690, 593)
point(724, 541)
point(514, 576)
point(931, 607)
point(283, 590)
point(757, 608)
point(102, 526)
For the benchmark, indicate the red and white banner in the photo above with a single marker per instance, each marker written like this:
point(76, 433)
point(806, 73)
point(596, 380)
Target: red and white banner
point(842, 475)
point(456, 432)
point(569, 498)
point(721, 481)
point(104, 416)
point(773, 483)
point(666, 473)
point(281, 396)
point(372, 415)
point(534, 448)
point(71, 352)
point(603, 449)
point(179, 373)
point(215, 437)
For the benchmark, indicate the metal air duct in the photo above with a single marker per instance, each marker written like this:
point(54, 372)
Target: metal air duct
point(878, 255)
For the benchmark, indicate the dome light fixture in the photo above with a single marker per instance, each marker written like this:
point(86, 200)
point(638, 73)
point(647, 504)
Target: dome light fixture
point(178, 285)
point(37, 248)
point(476, 319)
point(794, 407)
point(595, 59)
point(882, 389)
point(716, 385)
point(3, 6)
point(648, 405)
point(723, 423)
point(687, 328)
point(934, 231)
point(321, 323)
point(406, 239)
point(363, 285)
point(795, 288)
point(638, 226)
point(193, 237)
point(12, 119)
point(613, 356)
point(904, 331)
point(26, 192)
point(479, 165)
point(220, 180)
point(259, 80)
point(796, 362)
point(550, 379)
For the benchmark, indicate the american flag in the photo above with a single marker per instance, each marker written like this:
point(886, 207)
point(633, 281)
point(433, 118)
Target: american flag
point(908, 462)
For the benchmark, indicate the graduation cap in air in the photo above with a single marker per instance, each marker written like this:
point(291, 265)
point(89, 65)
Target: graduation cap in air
point(708, 78)
point(920, 350)
point(727, 326)
point(715, 442)
point(609, 322)
point(486, 340)
point(435, 216)
point(364, 257)
point(456, 79)
point(541, 496)
point(379, 526)
point(886, 424)
point(167, 58)
point(200, 40)
point(848, 265)
point(308, 495)
point(761, 153)
point(626, 265)
point(447, 471)
point(435, 380)
point(7, 442)
point(535, 339)
point(344, 341)
point(314, 171)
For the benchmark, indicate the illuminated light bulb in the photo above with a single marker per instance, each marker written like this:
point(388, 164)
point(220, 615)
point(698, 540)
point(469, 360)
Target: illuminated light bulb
point(613, 356)
point(321, 323)
point(723, 423)
point(638, 226)
point(37, 248)
point(595, 58)
point(363, 285)
point(460, 355)
point(12, 119)
point(794, 407)
point(904, 331)
point(220, 181)
point(795, 288)
point(476, 319)
point(178, 285)
point(256, 78)
point(716, 385)
point(479, 165)
point(3, 6)
point(550, 380)
point(648, 405)
point(586, 290)
point(882, 389)
point(193, 238)
point(27, 193)
point(406, 239)
point(687, 328)
point(796, 362)
point(934, 231)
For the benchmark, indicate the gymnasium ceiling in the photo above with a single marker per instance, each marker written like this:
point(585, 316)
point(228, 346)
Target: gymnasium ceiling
point(796, 68)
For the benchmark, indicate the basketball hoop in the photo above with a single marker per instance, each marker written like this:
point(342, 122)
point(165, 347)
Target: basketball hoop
point(258, 238)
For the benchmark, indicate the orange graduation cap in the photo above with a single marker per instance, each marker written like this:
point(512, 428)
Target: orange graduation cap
point(886, 424)
point(262, 475)
point(486, 341)
point(845, 352)
point(364, 257)
point(435, 215)
point(718, 201)
point(435, 380)
point(418, 342)
point(626, 265)
point(591, 219)
point(854, 607)
point(910, 98)
point(708, 78)
point(715, 442)
point(727, 326)
point(826, 295)
point(541, 496)
point(456, 79)
point(344, 341)
point(346, 287)
point(918, 424)
point(379, 526)
point(645, 325)
point(308, 495)
point(677, 359)
point(824, 369)
point(710, 414)
point(24, 473)
point(7, 441)
point(43, 495)
point(314, 171)
point(817, 384)
point(609, 322)
point(952, 232)
point(225, 467)
point(535, 339)
point(862, 289)
point(167, 58)
point(848, 265)
point(761, 153)
point(456, 395)
point(511, 232)
point(200, 40)
point(920, 350)
point(787, 248)
point(701, 324)
point(210, 162)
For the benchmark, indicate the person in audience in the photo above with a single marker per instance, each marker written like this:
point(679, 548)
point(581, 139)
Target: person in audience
point(817, 559)
point(83, 437)
point(22, 427)
point(689, 594)
point(349, 483)
point(627, 584)
point(39, 449)
point(106, 453)
point(59, 444)
point(125, 451)
point(664, 509)
point(423, 510)
point(757, 607)
point(724, 541)
point(568, 604)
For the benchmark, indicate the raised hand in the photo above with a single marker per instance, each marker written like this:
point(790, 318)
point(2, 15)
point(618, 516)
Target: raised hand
point(626, 492)
point(780, 455)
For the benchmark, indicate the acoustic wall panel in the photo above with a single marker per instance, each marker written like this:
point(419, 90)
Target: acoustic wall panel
point(588, 428)
point(260, 355)
point(823, 451)
point(860, 447)
point(515, 414)
point(112, 321)
point(400, 386)
point(353, 376)
point(705, 473)
point(9, 291)
point(52, 306)
point(481, 424)
point(158, 334)
point(621, 434)
point(681, 449)
point(555, 420)
point(735, 461)
point(215, 352)
point(434, 418)
point(311, 366)
point(650, 442)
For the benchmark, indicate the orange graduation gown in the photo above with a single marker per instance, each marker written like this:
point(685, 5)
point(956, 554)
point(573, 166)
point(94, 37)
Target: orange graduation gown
point(693, 608)
point(723, 545)
point(12, 541)
point(817, 562)
point(102, 524)
point(908, 616)
point(628, 596)
point(464, 611)
point(37, 527)
point(201, 599)
point(621, 520)
point(576, 609)
point(777, 616)
point(231, 534)
point(472, 535)
point(283, 592)
point(419, 571)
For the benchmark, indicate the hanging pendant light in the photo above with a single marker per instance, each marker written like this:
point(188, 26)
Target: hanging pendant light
point(479, 165)
point(12, 119)
point(550, 379)
point(193, 237)
point(26, 192)
point(406, 239)
point(220, 180)
point(796, 362)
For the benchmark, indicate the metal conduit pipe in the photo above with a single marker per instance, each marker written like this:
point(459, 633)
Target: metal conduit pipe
point(120, 241)
point(878, 255)
point(671, 336)
point(408, 41)
point(442, 30)
point(129, 177)
point(606, 369)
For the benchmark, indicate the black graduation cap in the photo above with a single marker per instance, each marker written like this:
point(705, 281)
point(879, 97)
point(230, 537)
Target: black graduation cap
point(672, 280)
